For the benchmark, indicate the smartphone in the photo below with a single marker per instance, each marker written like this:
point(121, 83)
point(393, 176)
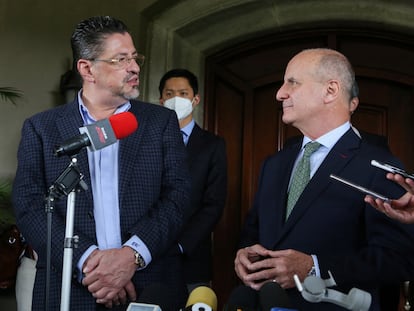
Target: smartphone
point(392, 169)
point(360, 188)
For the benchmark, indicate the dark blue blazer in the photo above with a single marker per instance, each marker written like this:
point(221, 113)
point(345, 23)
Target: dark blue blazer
point(207, 161)
point(360, 246)
point(154, 188)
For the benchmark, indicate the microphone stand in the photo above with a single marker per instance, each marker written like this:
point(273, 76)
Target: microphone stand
point(67, 184)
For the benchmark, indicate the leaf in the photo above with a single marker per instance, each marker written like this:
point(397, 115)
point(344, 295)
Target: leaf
point(5, 190)
point(10, 94)
point(6, 209)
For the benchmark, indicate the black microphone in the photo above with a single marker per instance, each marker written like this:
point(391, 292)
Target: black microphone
point(274, 298)
point(242, 298)
point(154, 297)
point(201, 298)
point(99, 134)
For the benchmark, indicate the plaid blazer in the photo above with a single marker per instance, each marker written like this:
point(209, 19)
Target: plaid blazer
point(154, 189)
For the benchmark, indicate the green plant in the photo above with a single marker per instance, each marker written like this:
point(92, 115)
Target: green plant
point(6, 209)
point(10, 94)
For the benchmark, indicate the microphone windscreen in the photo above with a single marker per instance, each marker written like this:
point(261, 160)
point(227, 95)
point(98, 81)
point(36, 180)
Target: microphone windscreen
point(157, 294)
point(272, 295)
point(243, 298)
point(123, 124)
point(202, 294)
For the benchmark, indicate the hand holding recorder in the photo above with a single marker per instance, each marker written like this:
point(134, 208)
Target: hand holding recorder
point(401, 209)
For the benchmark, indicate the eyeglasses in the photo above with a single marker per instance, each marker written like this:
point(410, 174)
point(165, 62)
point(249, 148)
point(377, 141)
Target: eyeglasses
point(122, 62)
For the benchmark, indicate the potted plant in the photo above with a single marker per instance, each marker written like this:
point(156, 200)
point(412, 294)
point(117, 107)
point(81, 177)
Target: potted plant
point(6, 211)
point(7, 94)
point(11, 244)
point(11, 95)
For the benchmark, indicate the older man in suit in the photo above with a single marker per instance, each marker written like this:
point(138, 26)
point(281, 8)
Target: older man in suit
point(129, 219)
point(327, 227)
point(207, 161)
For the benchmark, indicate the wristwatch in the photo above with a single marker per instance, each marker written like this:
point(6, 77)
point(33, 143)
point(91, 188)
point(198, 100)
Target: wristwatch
point(139, 260)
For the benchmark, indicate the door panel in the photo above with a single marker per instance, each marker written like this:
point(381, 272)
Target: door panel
point(229, 124)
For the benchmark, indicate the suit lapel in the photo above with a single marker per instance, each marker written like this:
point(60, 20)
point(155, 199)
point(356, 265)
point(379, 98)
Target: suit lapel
point(68, 124)
point(194, 143)
point(276, 198)
point(68, 127)
point(343, 151)
point(129, 148)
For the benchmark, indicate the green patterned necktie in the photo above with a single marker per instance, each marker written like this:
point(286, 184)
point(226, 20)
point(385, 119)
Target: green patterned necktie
point(301, 176)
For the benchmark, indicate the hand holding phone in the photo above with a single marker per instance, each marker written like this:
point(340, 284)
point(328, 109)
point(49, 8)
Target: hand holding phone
point(360, 188)
point(391, 169)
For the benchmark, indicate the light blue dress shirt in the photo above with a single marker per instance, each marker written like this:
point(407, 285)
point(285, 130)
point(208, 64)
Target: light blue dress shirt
point(103, 168)
point(186, 131)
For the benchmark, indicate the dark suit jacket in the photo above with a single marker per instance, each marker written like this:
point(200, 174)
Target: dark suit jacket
point(360, 246)
point(208, 169)
point(154, 189)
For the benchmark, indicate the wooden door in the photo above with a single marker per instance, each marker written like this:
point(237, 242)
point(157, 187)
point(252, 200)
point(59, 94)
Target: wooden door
point(240, 105)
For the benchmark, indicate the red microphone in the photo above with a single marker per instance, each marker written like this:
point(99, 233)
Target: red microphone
point(99, 134)
point(123, 124)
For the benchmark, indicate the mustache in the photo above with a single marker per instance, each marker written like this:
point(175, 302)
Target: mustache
point(131, 76)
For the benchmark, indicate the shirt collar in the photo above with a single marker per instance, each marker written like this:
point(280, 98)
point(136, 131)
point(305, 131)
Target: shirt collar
point(188, 128)
point(329, 139)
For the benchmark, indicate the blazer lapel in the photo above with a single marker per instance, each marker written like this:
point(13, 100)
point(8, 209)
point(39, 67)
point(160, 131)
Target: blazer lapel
point(68, 124)
point(129, 147)
point(343, 151)
point(276, 198)
point(194, 143)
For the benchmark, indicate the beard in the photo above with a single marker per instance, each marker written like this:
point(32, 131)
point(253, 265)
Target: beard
point(133, 94)
point(129, 93)
point(126, 91)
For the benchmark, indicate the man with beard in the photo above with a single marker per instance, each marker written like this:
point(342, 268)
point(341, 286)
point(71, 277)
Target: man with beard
point(130, 217)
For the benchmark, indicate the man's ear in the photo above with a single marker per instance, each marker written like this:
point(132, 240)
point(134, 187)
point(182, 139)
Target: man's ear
point(332, 90)
point(84, 69)
point(353, 104)
point(196, 100)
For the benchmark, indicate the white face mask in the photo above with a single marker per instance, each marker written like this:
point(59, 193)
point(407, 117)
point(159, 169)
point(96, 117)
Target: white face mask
point(182, 106)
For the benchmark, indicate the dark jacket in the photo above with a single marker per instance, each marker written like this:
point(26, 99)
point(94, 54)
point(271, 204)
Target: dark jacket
point(359, 245)
point(154, 192)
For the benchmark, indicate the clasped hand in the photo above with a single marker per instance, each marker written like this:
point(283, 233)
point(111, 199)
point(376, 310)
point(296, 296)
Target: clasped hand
point(108, 275)
point(256, 265)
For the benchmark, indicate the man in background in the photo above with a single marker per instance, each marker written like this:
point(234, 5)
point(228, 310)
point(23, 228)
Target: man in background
point(206, 157)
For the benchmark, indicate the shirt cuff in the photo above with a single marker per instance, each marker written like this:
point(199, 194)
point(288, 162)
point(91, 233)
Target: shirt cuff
point(316, 265)
point(136, 243)
point(181, 248)
point(82, 260)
